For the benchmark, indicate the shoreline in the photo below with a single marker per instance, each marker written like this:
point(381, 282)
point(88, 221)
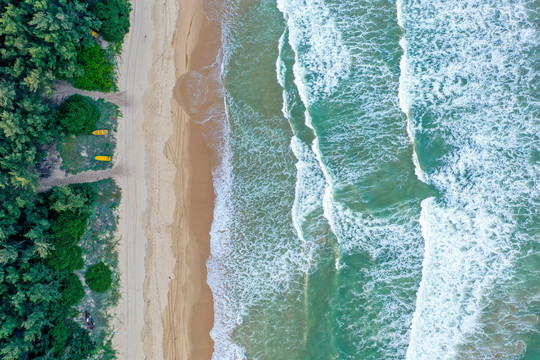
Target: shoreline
point(189, 317)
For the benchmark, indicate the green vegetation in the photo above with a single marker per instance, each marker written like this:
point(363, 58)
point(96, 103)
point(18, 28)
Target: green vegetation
point(70, 216)
point(80, 346)
point(99, 244)
point(114, 16)
point(98, 277)
point(36, 295)
point(36, 298)
point(98, 71)
point(38, 45)
point(39, 40)
point(66, 258)
point(71, 290)
point(41, 234)
point(60, 335)
point(78, 116)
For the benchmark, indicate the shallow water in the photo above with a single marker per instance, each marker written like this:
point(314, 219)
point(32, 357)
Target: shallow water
point(376, 189)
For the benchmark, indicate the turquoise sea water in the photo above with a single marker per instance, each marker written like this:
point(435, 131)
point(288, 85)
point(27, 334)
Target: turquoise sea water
point(378, 187)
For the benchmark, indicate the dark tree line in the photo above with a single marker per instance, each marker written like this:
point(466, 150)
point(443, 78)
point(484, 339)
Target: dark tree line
point(38, 45)
point(41, 42)
point(37, 290)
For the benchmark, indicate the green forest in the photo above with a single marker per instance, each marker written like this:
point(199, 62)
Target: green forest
point(43, 42)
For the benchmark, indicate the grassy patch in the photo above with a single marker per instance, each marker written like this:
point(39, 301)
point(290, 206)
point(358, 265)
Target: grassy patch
point(78, 152)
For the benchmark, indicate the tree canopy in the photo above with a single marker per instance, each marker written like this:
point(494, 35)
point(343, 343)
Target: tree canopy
point(114, 17)
point(41, 42)
point(71, 290)
point(78, 116)
point(36, 292)
point(98, 71)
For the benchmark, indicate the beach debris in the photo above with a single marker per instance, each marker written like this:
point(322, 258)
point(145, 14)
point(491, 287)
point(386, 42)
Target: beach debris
point(89, 321)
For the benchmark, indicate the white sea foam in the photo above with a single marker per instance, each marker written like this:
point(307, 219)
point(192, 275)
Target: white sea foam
point(255, 256)
point(404, 100)
point(243, 272)
point(323, 60)
point(310, 187)
point(470, 66)
point(394, 249)
point(392, 239)
point(225, 320)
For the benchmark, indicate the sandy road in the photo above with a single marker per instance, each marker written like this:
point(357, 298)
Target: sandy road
point(132, 82)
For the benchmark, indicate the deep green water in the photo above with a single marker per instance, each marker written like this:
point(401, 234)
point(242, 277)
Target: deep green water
point(377, 186)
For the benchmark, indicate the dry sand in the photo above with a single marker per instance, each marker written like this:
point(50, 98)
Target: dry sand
point(167, 202)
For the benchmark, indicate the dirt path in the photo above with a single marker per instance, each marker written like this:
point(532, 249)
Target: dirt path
point(64, 90)
point(63, 178)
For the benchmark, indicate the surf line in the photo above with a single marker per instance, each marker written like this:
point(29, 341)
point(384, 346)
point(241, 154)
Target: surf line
point(403, 94)
point(293, 30)
point(404, 104)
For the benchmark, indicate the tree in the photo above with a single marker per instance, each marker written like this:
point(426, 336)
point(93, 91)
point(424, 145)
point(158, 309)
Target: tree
point(7, 94)
point(72, 290)
point(60, 335)
point(66, 258)
point(80, 346)
point(98, 277)
point(26, 124)
point(114, 16)
point(29, 304)
point(78, 115)
point(98, 70)
point(69, 228)
point(76, 198)
point(39, 40)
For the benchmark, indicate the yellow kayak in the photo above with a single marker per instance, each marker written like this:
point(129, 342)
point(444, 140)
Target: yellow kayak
point(100, 132)
point(103, 158)
point(94, 34)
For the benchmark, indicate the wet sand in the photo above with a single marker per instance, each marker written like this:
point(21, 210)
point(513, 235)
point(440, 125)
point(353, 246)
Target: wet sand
point(190, 303)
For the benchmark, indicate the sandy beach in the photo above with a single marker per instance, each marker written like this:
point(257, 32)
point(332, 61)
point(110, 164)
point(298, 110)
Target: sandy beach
point(166, 310)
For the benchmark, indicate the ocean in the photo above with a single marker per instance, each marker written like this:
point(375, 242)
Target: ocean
point(377, 180)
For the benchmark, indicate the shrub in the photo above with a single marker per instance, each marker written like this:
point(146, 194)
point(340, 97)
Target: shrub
point(114, 16)
point(98, 277)
point(72, 291)
point(98, 70)
point(78, 116)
